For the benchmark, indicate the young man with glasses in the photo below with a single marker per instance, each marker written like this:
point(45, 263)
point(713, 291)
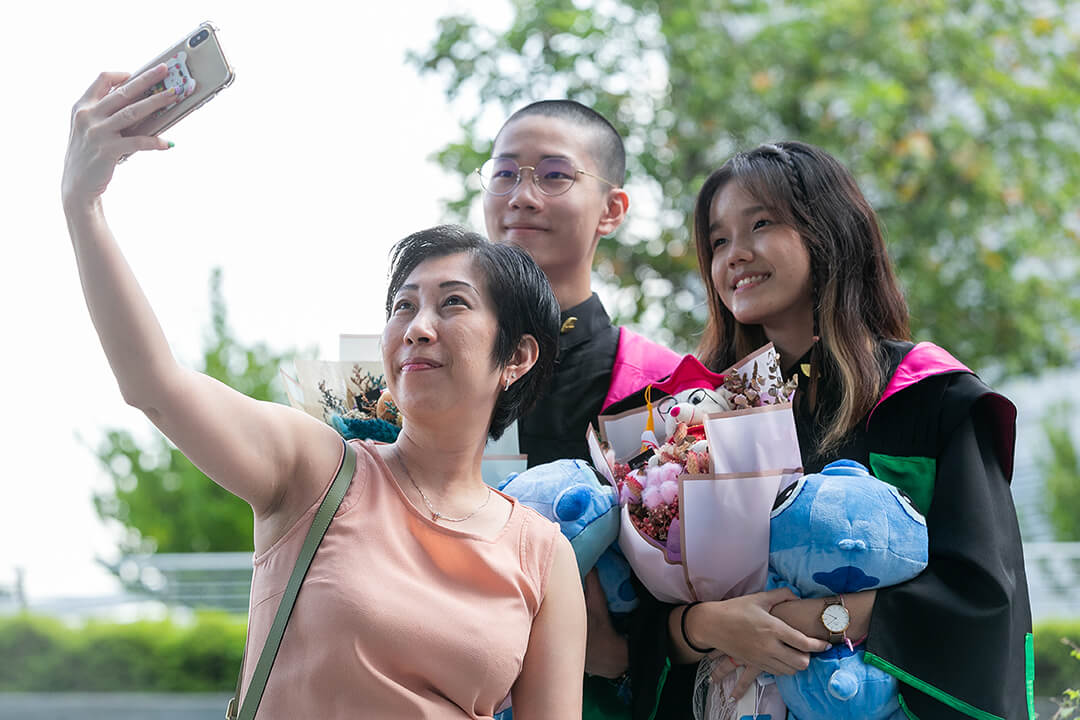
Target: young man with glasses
point(554, 187)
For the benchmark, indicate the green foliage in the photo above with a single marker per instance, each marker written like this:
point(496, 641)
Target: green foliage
point(1061, 468)
point(957, 118)
point(164, 501)
point(1069, 703)
point(1057, 662)
point(44, 655)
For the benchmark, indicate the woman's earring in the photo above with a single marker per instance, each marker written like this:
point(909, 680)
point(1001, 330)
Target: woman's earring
point(512, 378)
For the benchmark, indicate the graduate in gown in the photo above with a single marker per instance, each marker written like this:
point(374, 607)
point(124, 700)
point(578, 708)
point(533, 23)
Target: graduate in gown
point(791, 252)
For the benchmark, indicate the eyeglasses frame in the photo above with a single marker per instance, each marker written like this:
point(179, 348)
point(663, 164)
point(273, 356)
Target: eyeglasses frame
point(532, 171)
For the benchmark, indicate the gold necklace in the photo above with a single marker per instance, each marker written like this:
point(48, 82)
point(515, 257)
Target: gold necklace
point(436, 516)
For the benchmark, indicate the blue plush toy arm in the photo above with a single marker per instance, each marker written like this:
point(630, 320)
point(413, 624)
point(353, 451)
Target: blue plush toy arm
point(614, 574)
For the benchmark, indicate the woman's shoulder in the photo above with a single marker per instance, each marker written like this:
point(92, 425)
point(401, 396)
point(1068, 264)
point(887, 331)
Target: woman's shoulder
point(538, 533)
point(537, 541)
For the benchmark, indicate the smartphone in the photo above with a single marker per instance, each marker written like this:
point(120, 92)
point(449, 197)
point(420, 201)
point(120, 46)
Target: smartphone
point(195, 63)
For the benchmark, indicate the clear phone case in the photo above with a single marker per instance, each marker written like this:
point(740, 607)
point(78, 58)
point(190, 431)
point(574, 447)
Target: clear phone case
point(196, 63)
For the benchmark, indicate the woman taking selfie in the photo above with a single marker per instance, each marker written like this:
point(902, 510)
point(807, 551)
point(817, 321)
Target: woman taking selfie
point(791, 252)
point(431, 595)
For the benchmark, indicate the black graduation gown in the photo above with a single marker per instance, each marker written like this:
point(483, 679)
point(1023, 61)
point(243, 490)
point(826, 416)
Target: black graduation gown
point(959, 635)
point(555, 427)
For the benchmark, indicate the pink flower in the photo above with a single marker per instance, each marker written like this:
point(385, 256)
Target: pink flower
point(631, 489)
point(669, 490)
point(669, 471)
point(651, 497)
point(652, 477)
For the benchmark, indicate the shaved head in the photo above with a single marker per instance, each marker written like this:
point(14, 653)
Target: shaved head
point(605, 144)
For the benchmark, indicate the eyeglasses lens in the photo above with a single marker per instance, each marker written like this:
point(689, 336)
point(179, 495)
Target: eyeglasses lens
point(553, 176)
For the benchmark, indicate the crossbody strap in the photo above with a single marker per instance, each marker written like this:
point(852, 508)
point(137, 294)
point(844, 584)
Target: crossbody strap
point(323, 516)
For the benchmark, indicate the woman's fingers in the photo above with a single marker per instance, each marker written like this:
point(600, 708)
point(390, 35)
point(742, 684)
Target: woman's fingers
point(131, 91)
point(95, 143)
point(141, 142)
point(105, 82)
point(138, 111)
point(803, 643)
point(746, 679)
point(776, 596)
point(723, 666)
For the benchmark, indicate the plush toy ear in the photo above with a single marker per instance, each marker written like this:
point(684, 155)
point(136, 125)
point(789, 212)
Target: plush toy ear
point(572, 502)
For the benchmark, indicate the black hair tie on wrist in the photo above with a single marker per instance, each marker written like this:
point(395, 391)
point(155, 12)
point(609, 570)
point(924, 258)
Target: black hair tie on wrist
point(685, 637)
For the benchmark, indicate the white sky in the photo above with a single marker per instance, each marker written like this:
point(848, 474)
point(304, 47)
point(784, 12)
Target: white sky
point(295, 180)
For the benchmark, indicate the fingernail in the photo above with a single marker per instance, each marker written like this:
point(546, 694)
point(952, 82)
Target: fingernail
point(171, 143)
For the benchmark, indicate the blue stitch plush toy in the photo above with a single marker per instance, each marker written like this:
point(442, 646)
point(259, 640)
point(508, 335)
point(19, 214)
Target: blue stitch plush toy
point(587, 510)
point(842, 531)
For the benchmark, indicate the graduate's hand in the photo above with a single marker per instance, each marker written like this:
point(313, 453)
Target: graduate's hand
point(805, 614)
point(725, 665)
point(745, 681)
point(109, 106)
point(742, 628)
point(606, 651)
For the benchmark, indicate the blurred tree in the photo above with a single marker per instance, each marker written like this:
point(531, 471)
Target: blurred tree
point(1061, 468)
point(958, 119)
point(164, 501)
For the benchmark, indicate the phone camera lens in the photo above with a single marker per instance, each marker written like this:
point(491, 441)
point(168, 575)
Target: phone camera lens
point(198, 38)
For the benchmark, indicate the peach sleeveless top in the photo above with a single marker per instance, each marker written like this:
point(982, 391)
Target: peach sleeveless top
point(398, 617)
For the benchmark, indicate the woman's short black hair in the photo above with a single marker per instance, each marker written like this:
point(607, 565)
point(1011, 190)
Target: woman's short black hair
point(520, 294)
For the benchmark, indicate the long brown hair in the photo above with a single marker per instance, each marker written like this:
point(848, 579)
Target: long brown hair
point(857, 301)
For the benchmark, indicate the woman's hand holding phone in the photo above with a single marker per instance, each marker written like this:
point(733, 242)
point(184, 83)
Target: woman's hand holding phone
point(109, 106)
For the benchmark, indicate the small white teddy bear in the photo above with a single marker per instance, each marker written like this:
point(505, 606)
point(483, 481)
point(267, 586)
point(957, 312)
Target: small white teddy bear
point(693, 391)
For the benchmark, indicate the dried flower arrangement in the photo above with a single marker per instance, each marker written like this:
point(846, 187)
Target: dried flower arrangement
point(366, 412)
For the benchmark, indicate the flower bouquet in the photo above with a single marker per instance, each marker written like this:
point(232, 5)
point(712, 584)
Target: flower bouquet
point(696, 501)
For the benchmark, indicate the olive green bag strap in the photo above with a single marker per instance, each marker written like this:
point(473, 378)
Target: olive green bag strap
point(323, 516)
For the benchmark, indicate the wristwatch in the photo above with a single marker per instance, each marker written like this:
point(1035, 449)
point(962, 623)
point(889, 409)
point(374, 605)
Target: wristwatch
point(835, 618)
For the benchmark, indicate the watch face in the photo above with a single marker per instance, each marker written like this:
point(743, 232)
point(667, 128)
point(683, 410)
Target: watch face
point(835, 618)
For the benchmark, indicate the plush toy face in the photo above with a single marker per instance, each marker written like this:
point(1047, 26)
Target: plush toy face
point(692, 393)
point(691, 406)
point(844, 531)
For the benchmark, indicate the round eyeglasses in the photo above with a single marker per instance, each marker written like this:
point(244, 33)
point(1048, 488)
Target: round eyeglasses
point(552, 176)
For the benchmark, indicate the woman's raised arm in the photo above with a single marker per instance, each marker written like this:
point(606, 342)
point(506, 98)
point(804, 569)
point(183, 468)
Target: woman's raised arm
point(275, 458)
